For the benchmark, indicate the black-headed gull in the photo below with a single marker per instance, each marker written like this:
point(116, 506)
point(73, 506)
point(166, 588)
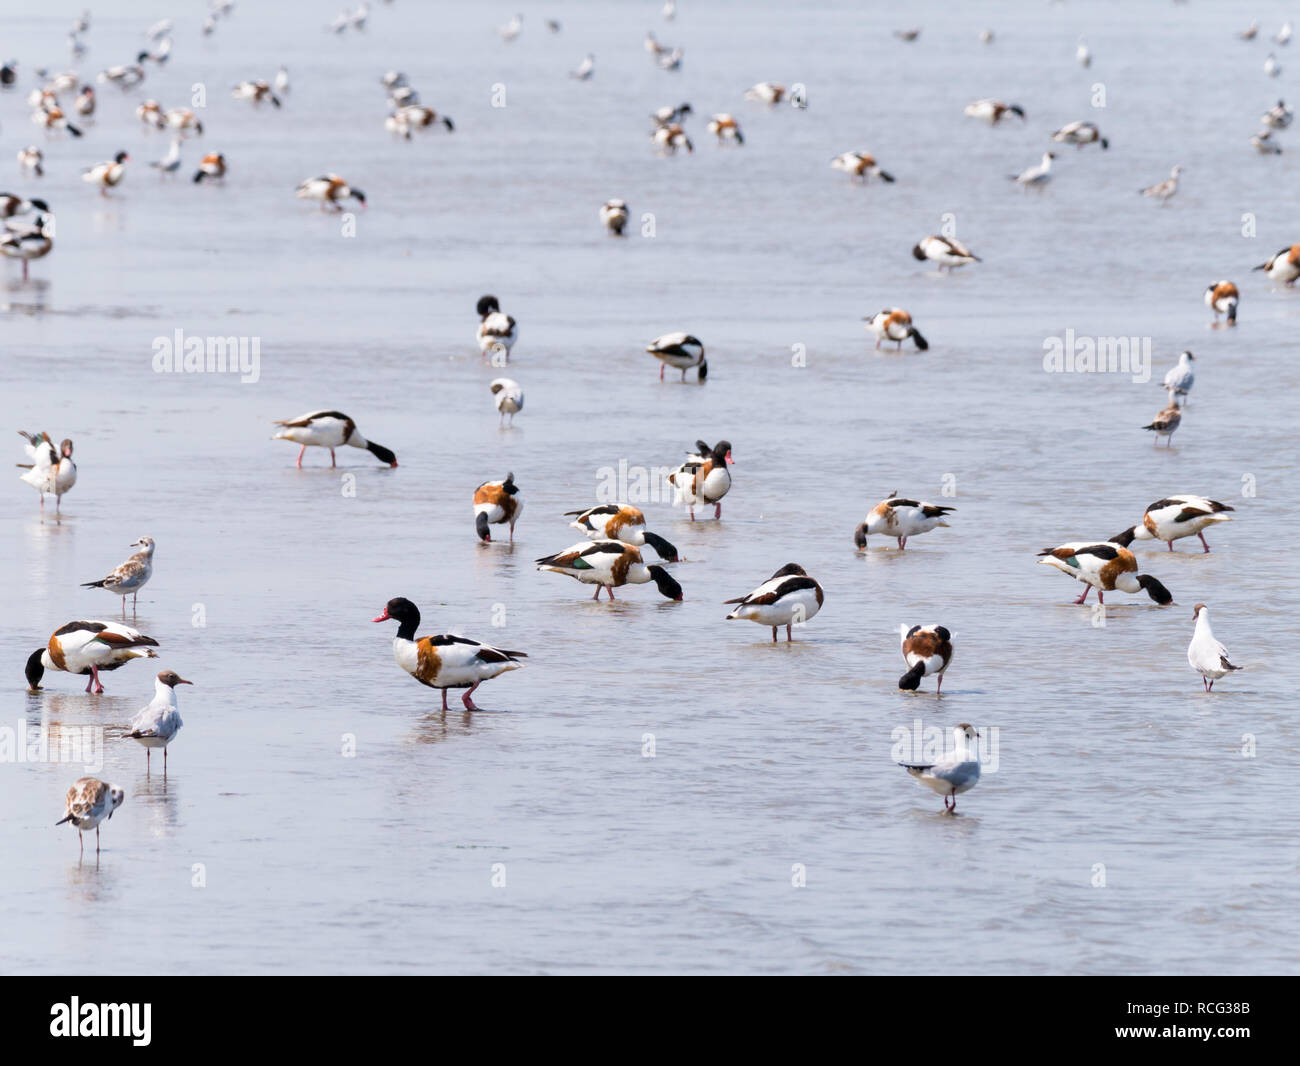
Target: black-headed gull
point(88, 802)
point(1165, 423)
point(957, 771)
point(1164, 190)
point(1180, 379)
point(131, 576)
point(156, 724)
point(1038, 175)
point(1206, 655)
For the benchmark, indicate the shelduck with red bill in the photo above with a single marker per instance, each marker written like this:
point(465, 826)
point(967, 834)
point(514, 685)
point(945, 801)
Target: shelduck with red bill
point(444, 661)
point(704, 478)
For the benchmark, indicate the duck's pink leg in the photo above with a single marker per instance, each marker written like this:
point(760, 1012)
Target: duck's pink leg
point(444, 699)
point(465, 699)
point(301, 452)
point(1086, 589)
point(1205, 542)
point(717, 510)
point(661, 370)
point(332, 457)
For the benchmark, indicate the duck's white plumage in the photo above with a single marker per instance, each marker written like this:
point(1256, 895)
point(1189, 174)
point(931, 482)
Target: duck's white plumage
point(901, 518)
point(788, 598)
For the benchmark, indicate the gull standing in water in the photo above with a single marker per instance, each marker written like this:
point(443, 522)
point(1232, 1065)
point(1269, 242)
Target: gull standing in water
point(159, 721)
point(1206, 655)
point(956, 772)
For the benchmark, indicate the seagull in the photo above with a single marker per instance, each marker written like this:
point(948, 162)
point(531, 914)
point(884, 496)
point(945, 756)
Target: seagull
point(1283, 35)
point(585, 68)
point(907, 35)
point(956, 772)
point(511, 29)
point(156, 724)
point(1206, 655)
point(88, 802)
point(1164, 190)
point(1178, 382)
point(129, 578)
point(1271, 66)
point(281, 81)
point(1249, 33)
point(1165, 423)
point(1278, 118)
point(1081, 54)
point(509, 398)
point(171, 162)
point(1037, 176)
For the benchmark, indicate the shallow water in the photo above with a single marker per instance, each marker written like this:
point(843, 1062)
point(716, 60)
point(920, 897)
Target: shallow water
point(765, 757)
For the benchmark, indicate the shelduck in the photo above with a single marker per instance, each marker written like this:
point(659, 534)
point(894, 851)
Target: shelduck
point(901, 518)
point(1222, 298)
point(704, 478)
point(671, 137)
point(1164, 190)
point(497, 503)
point(681, 351)
point(255, 91)
point(1080, 133)
point(27, 242)
point(1205, 654)
point(497, 331)
point(787, 598)
point(668, 116)
point(158, 722)
point(419, 117)
point(89, 802)
point(926, 650)
point(131, 576)
point(609, 564)
point(126, 75)
point(1176, 517)
point(1166, 423)
point(328, 429)
point(895, 324)
point(614, 216)
point(1283, 266)
point(946, 251)
point(212, 166)
point(183, 119)
point(445, 661)
point(860, 166)
point(330, 190)
point(151, 114)
point(1105, 566)
point(11, 205)
point(725, 128)
point(1277, 117)
point(32, 159)
point(1179, 380)
point(509, 397)
point(51, 472)
point(88, 648)
point(993, 111)
point(766, 92)
point(627, 524)
point(1264, 143)
point(53, 118)
point(955, 772)
point(107, 175)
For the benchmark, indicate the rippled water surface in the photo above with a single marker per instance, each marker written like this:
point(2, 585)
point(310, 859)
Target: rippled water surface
point(1120, 829)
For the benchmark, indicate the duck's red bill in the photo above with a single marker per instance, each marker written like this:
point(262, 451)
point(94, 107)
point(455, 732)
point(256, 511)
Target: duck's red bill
point(382, 618)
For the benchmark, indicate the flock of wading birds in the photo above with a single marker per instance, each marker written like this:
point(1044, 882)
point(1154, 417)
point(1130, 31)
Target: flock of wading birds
point(611, 556)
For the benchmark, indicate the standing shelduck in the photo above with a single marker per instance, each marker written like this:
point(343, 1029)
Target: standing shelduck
point(509, 398)
point(328, 429)
point(497, 503)
point(627, 524)
point(256, 91)
point(895, 324)
point(131, 576)
point(681, 351)
point(444, 661)
point(609, 564)
point(90, 801)
point(1222, 298)
point(1166, 423)
point(704, 478)
point(88, 648)
point(31, 160)
point(1080, 133)
point(614, 216)
point(901, 519)
point(1180, 379)
point(157, 724)
point(1277, 117)
point(955, 772)
point(497, 331)
point(1206, 655)
point(946, 251)
point(788, 598)
point(1283, 266)
point(1105, 566)
point(993, 111)
point(725, 128)
point(860, 166)
point(28, 242)
point(212, 166)
point(766, 92)
point(107, 175)
point(671, 137)
point(1176, 517)
point(926, 650)
point(51, 472)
